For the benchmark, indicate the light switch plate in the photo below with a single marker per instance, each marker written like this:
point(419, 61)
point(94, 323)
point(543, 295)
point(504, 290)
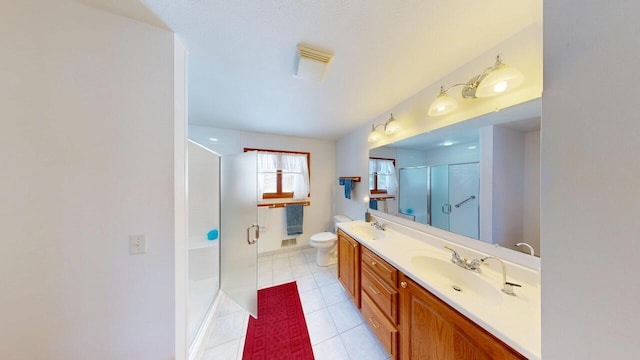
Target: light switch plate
point(137, 244)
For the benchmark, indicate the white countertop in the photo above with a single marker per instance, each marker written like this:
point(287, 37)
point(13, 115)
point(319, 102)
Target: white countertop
point(513, 319)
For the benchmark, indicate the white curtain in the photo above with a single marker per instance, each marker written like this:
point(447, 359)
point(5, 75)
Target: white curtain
point(292, 165)
point(386, 174)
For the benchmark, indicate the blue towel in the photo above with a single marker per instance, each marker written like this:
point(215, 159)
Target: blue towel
point(294, 219)
point(373, 204)
point(348, 183)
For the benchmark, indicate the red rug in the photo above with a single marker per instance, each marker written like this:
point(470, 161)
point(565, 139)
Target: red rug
point(280, 332)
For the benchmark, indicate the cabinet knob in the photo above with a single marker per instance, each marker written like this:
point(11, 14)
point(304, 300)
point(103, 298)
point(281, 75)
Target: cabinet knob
point(373, 263)
point(403, 284)
point(354, 245)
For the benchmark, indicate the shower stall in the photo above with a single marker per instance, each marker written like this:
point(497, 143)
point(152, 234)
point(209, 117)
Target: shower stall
point(443, 196)
point(204, 221)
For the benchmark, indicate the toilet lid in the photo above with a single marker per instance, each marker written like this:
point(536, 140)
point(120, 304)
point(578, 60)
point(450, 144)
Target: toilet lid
point(324, 236)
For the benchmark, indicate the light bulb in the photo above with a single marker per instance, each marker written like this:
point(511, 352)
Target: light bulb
point(500, 87)
point(498, 79)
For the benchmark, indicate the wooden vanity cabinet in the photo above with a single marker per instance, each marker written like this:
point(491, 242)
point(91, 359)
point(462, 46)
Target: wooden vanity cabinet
point(431, 329)
point(379, 282)
point(349, 266)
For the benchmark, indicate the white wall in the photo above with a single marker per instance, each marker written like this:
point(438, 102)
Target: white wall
point(352, 159)
point(508, 186)
point(324, 190)
point(86, 158)
point(590, 169)
point(531, 210)
point(454, 154)
point(318, 216)
point(222, 141)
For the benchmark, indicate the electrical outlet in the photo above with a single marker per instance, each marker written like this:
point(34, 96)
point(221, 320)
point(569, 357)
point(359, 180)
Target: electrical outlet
point(137, 244)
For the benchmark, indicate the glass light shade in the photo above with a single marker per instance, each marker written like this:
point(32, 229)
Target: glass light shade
point(500, 79)
point(374, 135)
point(442, 105)
point(391, 126)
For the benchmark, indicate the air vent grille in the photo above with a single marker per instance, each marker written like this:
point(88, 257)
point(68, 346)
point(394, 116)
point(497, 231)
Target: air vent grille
point(312, 63)
point(313, 54)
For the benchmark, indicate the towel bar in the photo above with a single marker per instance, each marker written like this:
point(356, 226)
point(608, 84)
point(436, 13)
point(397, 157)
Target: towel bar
point(352, 178)
point(281, 205)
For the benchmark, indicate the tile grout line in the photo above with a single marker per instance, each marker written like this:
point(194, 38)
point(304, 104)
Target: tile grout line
point(310, 262)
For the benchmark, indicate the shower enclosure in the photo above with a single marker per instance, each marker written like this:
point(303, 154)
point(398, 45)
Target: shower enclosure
point(204, 219)
point(443, 196)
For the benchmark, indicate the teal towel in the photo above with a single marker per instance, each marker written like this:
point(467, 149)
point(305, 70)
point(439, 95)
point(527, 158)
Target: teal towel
point(348, 184)
point(294, 219)
point(373, 204)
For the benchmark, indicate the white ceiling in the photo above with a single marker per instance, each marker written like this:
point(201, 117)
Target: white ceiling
point(243, 56)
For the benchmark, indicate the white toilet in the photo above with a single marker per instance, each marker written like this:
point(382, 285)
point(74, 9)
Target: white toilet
point(325, 242)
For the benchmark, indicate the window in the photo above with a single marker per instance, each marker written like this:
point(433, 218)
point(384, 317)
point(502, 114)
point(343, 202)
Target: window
point(382, 176)
point(282, 174)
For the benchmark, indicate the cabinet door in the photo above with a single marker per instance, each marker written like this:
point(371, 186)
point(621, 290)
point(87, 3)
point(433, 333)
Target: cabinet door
point(349, 266)
point(431, 329)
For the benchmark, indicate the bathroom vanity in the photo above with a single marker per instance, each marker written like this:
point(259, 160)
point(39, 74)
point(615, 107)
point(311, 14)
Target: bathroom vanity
point(422, 306)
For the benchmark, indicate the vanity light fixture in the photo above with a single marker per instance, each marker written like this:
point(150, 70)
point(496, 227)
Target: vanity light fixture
point(391, 126)
point(493, 80)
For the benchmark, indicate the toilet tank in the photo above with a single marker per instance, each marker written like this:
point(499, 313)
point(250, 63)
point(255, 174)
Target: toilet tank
point(338, 219)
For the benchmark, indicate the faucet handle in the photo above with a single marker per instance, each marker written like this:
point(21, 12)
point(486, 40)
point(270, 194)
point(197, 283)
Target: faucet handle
point(512, 284)
point(454, 253)
point(475, 265)
point(455, 258)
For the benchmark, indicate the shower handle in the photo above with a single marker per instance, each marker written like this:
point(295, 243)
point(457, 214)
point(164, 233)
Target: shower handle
point(251, 241)
point(446, 208)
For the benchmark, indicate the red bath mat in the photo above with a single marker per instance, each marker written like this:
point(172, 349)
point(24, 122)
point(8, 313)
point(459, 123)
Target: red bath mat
point(280, 332)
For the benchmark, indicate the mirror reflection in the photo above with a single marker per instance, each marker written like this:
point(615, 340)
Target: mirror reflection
point(479, 178)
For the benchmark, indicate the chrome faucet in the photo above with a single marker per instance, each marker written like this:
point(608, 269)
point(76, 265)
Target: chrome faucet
point(473, 265)
point(507, 287)
point(378, 225)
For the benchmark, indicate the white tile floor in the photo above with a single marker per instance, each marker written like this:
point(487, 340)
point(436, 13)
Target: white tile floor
point(336, 328)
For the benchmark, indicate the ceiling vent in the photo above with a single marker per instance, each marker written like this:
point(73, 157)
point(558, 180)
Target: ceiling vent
point(312, 63)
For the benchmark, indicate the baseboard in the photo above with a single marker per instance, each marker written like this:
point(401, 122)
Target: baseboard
point(286, 250)
point(197, 347)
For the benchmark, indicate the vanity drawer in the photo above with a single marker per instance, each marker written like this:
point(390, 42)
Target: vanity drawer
point(379, 267)
point(384, 330)
point(383, 295)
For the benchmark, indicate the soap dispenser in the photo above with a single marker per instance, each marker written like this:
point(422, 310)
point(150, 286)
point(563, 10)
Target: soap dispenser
point(367, 214)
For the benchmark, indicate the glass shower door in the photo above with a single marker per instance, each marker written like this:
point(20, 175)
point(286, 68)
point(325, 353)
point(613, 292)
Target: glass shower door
point(464, 187)
point(440, 206)
point(413, 191)
point(239, 232)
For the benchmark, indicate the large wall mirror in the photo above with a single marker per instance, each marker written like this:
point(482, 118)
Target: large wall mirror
point(479, 178)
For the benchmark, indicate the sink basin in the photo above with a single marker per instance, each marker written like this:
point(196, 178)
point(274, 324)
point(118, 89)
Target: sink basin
point(366, 232)
point(456, 281)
